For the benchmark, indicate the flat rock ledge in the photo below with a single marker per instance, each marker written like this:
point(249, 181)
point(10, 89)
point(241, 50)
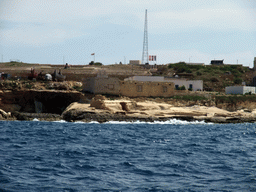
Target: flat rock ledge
point(89, 116)
point(39, 116)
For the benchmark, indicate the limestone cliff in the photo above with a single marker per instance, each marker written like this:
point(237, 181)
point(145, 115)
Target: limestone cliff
point(32, 101)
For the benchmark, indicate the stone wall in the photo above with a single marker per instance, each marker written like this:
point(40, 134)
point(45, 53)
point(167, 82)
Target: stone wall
point(102, 85)
point(146, 89)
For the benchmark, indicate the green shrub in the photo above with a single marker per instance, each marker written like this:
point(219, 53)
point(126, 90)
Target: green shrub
point(77, 88)
point(198, 73)
point(98, 63)
point(233, 99)
point(28, 86)
point(188, 71)
point(238, 80)
point(182, 87)
point(190, 98)
point(214, 79)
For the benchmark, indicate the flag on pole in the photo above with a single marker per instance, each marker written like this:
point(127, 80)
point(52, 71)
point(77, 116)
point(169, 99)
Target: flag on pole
point(152, 57)
point(93, 54)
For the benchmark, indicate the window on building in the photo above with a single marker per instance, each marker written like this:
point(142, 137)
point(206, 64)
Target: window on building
point(164, 89)
point(177, 87)
point(190, 86)
point(139, 88)
point(110, 86)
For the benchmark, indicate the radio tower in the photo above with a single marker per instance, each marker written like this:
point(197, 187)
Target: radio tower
point(145, 41)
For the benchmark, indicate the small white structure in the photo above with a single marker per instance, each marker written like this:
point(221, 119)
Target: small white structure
point(48, 77)
point(195, 85)
point(239, 90)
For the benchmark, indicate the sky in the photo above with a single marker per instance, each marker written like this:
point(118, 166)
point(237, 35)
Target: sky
point(69, 31)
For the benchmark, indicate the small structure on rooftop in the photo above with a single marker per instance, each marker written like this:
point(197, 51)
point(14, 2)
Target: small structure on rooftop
point(217, 62)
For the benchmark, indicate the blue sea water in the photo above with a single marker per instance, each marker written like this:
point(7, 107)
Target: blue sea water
point(119, 156)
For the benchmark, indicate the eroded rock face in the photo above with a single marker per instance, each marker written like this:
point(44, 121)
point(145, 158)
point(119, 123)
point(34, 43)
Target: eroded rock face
point(248, 105)
point(101, 102)
point(98, 102)
point(31, 101)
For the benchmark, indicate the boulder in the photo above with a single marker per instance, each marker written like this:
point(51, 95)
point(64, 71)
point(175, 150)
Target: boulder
point(4, 114)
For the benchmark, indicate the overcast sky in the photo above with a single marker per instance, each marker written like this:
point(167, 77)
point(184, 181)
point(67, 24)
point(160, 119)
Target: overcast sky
point(69, 31)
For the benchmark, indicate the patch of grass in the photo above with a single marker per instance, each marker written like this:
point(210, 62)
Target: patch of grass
point(233, 99)
point(238, 81)
point(77, 88)
point(189, 97)
point(28, 86)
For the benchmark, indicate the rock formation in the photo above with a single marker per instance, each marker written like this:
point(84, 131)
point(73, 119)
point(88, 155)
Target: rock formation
point(102, 109)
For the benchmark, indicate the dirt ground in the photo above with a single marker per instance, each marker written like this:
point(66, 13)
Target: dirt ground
point(74, 72)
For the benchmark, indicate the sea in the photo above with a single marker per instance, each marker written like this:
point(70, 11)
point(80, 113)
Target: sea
point(119, 156)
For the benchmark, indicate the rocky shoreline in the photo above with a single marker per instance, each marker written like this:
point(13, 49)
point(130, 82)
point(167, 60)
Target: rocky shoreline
point(101, 109)
point(105, 117)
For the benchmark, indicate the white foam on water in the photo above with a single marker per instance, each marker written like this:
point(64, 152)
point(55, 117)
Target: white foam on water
point(171, 121)
point(91, 122)
point(60, 121)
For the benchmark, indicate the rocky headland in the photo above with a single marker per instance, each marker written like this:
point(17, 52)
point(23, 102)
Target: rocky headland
point(60, 101)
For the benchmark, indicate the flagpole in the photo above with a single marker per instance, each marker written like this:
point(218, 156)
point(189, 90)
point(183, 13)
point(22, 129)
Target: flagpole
point(93, 54)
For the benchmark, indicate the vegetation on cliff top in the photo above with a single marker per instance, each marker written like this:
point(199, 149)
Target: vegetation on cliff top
point(214, 77)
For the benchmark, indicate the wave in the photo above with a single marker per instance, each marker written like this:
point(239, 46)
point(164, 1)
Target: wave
point(171, 122)
point(60, 121)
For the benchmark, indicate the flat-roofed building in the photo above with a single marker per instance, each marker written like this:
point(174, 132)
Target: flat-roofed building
point(195, 85)
point(217, 62)
point(135, 62)
point(239, 90)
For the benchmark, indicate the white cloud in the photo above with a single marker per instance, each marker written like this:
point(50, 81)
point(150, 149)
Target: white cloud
point(47, 11)
point(36, 36)
point(48, 22)
point(213, 19)
point(164, 15)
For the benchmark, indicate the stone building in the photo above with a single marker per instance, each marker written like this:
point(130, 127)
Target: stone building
point(138, 86)
point(195, 85)
point(102, 84)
